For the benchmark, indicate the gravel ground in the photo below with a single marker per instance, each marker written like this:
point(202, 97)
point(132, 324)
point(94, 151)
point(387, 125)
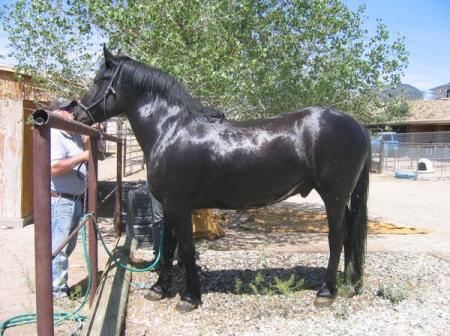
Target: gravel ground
point(249, 306)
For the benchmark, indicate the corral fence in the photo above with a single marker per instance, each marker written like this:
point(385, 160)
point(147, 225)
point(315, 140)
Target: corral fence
point(43, 121)
point(133, 157)
point(422, 155)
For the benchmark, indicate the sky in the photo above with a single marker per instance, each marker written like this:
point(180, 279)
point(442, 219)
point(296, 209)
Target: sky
point(425, 24)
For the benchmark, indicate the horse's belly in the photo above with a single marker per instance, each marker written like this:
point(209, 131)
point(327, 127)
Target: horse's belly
point(253, 190)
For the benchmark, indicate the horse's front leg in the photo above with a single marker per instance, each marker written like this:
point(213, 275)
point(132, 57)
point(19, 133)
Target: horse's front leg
point(335, 213)
point(182, 218)
point(162, 287)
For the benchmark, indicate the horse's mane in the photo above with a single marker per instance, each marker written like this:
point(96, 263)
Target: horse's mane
point(139, 76)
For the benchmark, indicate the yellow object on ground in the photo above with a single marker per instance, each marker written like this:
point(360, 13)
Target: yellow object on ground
point(206, 225)
point(313, 222)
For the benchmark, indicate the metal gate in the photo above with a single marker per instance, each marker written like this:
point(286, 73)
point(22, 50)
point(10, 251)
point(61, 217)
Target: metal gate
point(133, 157)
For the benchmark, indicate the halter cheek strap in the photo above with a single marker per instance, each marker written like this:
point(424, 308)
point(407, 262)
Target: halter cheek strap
point(109, 89)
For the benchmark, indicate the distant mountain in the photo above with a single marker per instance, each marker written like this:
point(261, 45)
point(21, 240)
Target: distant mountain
point(405, 90)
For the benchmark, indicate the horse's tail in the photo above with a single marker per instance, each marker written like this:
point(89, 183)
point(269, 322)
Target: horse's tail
point(357, 222)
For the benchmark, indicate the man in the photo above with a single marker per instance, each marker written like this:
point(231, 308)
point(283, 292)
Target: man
point(68, 175)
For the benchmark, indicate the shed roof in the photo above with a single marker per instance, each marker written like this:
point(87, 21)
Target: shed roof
point(423, 110)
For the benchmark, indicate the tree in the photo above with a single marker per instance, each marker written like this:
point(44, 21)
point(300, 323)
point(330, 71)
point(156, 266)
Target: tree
point(250, 58)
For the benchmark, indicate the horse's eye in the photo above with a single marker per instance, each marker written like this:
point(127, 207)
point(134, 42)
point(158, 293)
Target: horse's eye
point(101, 78)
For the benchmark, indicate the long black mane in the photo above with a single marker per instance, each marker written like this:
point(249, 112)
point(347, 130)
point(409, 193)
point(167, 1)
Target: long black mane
point(158, 83)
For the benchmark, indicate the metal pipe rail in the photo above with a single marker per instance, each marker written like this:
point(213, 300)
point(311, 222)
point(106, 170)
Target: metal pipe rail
point(43, 121)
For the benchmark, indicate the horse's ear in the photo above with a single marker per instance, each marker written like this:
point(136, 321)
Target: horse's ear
point(110, 59)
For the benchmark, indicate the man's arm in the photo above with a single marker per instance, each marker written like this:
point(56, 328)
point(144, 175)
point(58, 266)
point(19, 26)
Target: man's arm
point(64, 166)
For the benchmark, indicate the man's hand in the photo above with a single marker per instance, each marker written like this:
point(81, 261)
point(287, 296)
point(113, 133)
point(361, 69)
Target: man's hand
point(64, 166)
point(86, 141)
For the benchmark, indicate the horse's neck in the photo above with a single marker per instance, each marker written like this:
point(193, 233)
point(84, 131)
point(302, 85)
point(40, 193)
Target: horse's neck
point(152, 119)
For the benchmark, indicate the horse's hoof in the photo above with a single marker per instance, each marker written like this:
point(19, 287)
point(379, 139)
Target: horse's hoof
point(155, 294)
point(188, 303)
point(186, 306)
point(325, 297)
point(321, 301)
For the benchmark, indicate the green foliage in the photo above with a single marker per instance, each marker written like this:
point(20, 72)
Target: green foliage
point(249, 58)
point(76, 293)
point(392, 292)
point(288, 286)
point(261, 285)
point(258, 285)
point(238, 285)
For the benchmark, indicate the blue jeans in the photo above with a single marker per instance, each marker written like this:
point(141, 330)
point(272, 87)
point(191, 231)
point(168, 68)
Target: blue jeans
point(158, 228)
point(65, 218)
point(158, 223)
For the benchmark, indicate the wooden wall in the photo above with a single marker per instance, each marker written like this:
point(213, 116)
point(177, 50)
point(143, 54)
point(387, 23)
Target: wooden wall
point(11, 136)
point(16, 155)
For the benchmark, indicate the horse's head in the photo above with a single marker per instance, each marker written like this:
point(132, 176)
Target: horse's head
point(99, 103)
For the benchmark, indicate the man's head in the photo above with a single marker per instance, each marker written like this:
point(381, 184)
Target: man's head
point(63, 107)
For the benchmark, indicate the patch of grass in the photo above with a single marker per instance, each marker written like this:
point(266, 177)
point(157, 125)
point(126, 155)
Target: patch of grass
point(288, 286)
point(259, 285)
point(238, 285)
point(262, 286)
point(76, 293)
point(344, 283)
point(392, 292)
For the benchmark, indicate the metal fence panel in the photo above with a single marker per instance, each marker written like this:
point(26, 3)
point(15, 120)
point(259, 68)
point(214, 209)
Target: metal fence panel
point(133, 156)
point(406, 157)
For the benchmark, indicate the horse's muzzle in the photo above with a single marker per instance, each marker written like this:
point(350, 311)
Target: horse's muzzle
point(81, 116)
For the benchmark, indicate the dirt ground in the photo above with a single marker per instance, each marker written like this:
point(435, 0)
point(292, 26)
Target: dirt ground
point(423, 204)
point(408, 203)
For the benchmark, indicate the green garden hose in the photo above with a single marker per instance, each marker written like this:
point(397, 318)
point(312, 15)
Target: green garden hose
point(60, 317)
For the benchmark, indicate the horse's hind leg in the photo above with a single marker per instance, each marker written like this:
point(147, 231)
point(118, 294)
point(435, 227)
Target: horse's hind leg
point(349, 273)
point(335, 207)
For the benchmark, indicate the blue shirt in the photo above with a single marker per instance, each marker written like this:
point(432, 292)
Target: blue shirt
point(64, 146)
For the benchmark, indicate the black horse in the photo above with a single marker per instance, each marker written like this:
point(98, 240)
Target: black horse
point(195, 159)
